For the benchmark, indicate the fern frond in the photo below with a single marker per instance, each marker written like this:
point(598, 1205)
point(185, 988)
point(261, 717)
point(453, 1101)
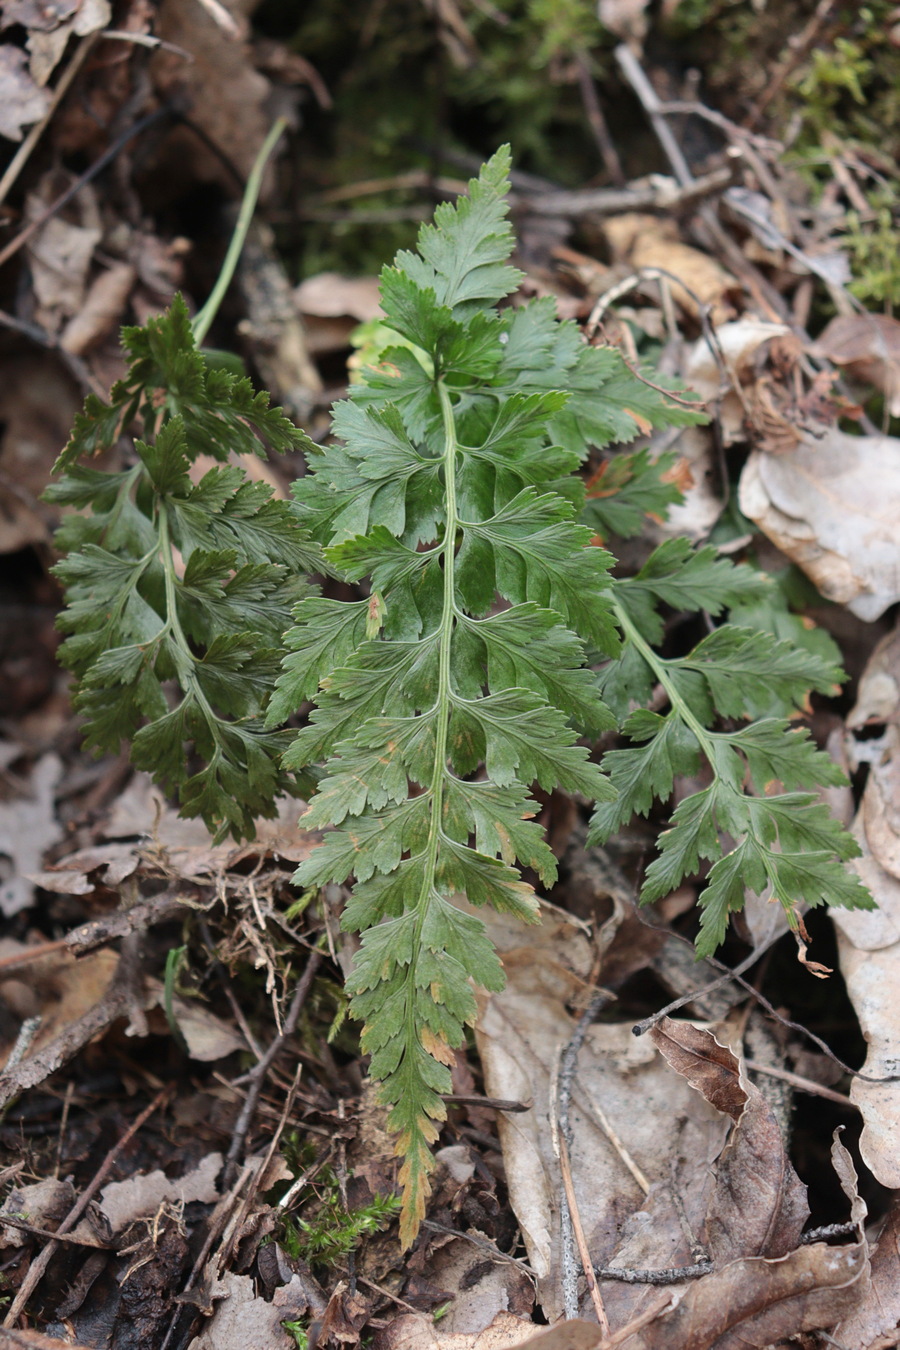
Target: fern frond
point(444, 494)
point(178, 592)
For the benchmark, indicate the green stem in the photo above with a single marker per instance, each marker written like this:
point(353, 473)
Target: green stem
point(659, 667)
point(203, 321)
point(442, 700)
point(189, 682)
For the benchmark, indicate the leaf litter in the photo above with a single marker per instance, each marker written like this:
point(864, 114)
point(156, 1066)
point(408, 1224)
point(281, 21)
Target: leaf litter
point(676, 1159)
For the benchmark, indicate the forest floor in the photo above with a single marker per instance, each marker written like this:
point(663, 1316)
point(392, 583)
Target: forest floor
point(190, 1153)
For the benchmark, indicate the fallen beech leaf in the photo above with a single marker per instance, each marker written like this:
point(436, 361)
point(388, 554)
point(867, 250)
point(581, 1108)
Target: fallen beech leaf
point(102, 310)
point(206, 1036)
point(44, 1204)
point(739, 345)
point(57, 988)
point(573, 1335)
point(868, 347)
point(61, 253)
point(830, 506)
point(756, 1302)
point(183, 847)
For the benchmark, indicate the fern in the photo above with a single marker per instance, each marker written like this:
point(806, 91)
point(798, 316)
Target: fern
point(178, 591)
point(490, 642)
point(787, 841)
point(453, 491)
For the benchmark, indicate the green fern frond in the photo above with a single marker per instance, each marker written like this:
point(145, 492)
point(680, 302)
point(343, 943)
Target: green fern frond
point(178, 591)
point(444, 494)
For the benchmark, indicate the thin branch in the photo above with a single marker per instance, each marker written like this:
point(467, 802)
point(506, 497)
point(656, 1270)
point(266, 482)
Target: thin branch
point(257, 1075)
point(674, 1276)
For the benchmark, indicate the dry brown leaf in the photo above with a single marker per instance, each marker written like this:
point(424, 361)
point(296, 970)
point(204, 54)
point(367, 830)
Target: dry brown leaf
point(72, 874)
point(479, 1289)
point(21, 100)
point(206, 1036)
point(241, 1321)
point(124, 1201)
point(184, 848)
point(227, 96)
point(44, 1204)
point(61, 254)
point(738, 347)
point(830, 506)
point(519, 1034)
point(37, 406)
point(102, 309)
point(756, 1301)
point(758, 1207)
point(868, 347)
point(877, 1316)
point(47, 42)
point(56, 988)
point(28, 826)
point(418, 1331)
point(328, 295)
point(869, 943)
point(648, 241)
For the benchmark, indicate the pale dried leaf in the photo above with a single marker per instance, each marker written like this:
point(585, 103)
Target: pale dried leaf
point(417, 1331)
point(207, 1037)
point(695, 278)
point(738, 346)
point(877, 1314)
point(869, 944)
point(756, 1302)
point(21, 100)
point(56, 988)
point(479, 1289)
point(830, 506)
point(868, 347)
point(124, 1201)
point(519, 1035)
point(28, 826)
point(102, 310)
point(184, 848)
point(61, 255)
point(328, 295)
point(40, 15)
point(44, 1204)
point(243, 1322)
